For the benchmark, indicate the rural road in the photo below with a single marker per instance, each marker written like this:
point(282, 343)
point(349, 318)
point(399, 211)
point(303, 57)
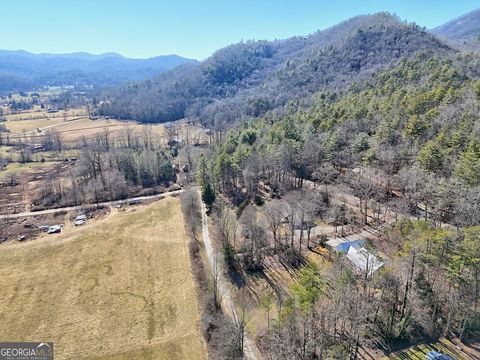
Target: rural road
point(223, 287)
point(91, 206)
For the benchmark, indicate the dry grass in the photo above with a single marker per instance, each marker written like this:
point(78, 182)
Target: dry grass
point(19, 169)
point(120, 288)
point(74, 130)
point(31, 120)
point(74, 124)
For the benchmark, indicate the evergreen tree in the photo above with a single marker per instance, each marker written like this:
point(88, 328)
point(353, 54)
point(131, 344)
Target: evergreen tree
point(468, 166)
point(431, 157)
point(208, 195)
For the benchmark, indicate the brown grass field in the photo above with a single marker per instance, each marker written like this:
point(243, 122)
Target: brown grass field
point(120, 288)
point(36, 118)
point(74, 130)
point(74, 125)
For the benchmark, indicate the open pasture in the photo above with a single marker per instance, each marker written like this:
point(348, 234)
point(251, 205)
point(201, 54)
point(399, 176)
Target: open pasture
point(120, 288)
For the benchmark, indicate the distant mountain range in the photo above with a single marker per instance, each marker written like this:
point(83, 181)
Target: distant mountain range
point(248, 77)
point(21, 70)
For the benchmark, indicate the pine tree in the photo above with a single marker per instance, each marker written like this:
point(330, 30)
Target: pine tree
point(208, 194)
point(468, 166)
point(431, 157)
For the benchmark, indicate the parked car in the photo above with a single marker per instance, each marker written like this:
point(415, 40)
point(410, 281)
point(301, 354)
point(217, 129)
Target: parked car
point(55, 229)
point(81, 217)
point(79, 222)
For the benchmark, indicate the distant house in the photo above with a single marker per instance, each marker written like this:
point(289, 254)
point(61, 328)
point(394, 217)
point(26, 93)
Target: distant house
point(343, 247)
point(364, 261)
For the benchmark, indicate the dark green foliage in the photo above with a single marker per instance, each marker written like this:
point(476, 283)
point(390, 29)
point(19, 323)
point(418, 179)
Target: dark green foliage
point(468, 166)
point(20, 105)
point(242, 206)
point(229, 256)
point(258, 200)
point(208, 194)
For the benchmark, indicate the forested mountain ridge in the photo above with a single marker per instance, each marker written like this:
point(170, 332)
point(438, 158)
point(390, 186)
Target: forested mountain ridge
point(22, 71)
point(249, 78)
point(420, 116)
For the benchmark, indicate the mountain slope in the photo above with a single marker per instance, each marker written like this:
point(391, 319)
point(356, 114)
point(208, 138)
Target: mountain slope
point(21, 70)
point(465, 27)
point(252, 77)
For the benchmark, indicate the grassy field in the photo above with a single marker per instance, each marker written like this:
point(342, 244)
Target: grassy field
point(75, 124)
point(74, 130)
point(120, 288)
point(19, 169)
point(37, 118)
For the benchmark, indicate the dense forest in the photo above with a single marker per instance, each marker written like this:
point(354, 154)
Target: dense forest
point(249, 78)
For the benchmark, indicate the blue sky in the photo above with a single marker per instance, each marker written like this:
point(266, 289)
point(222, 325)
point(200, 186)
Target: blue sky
point(191, 28)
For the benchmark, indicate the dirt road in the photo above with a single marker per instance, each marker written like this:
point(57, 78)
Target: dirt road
point(224, 289)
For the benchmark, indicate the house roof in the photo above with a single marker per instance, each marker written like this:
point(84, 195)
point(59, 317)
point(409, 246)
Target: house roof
point(363, 260)
point(343, 247)
point(435, 355)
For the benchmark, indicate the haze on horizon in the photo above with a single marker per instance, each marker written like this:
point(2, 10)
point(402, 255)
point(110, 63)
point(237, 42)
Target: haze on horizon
point(147, 28)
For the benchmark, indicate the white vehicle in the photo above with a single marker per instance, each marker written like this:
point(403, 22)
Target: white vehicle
point(55, 229)
point(81, 217)
point(79, 222)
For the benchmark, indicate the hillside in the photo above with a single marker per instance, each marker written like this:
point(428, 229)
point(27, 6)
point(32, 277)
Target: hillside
point(465, 27)
point(249, 78)
point(21, 70)
point(413, 130)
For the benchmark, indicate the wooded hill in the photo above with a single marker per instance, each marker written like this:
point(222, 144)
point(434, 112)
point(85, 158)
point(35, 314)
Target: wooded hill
point(250, 78)
point(406, 140)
